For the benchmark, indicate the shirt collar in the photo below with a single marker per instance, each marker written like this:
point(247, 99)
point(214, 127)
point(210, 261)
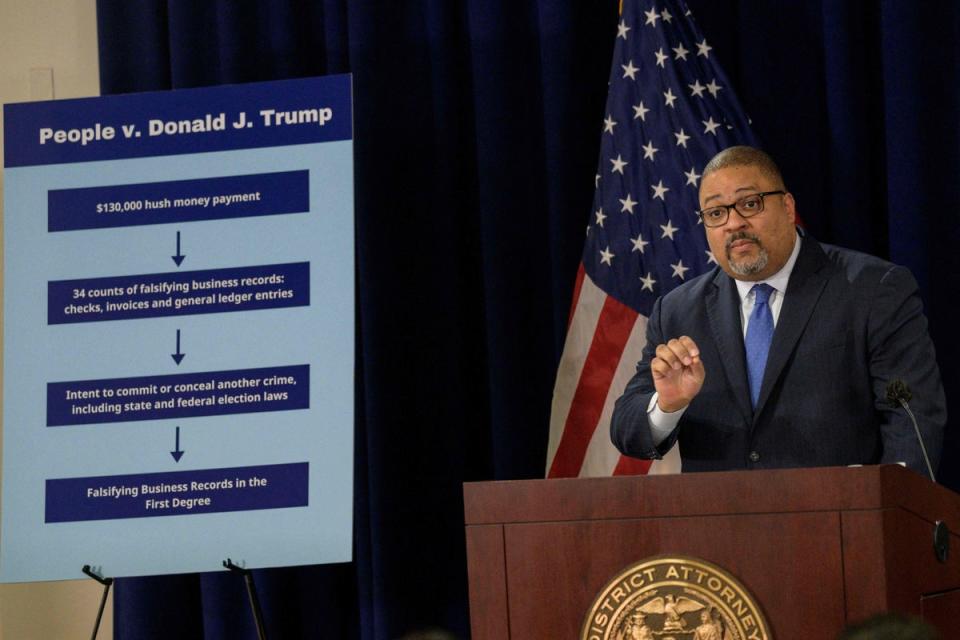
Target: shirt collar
point(778, 280)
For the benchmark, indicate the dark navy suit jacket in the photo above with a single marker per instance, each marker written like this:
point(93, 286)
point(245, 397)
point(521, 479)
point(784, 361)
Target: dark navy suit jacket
point(850, 324)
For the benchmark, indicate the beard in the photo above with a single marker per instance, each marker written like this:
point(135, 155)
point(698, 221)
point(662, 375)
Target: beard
point(747, 267)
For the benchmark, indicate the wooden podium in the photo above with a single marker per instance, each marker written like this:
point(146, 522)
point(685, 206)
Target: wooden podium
point(817, 548)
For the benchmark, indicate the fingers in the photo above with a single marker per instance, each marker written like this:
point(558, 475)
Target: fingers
point(659, 368)
point(697, 369)
point(676, 354)
point(678, 373)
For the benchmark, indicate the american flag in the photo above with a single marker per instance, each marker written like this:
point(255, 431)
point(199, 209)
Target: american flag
point(670, 108)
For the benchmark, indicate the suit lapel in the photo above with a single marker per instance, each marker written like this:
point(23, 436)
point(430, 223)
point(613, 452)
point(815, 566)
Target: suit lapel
point(803, 292)
point(723, 312)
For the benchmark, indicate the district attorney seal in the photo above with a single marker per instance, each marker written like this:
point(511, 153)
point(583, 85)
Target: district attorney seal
point(674, 597)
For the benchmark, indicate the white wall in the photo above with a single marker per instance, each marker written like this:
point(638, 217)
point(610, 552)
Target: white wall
point(58, 39)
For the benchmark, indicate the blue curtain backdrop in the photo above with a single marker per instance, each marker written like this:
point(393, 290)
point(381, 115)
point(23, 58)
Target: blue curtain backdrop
point(477, 131)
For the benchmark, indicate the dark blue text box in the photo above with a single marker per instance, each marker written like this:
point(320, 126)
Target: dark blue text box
point(176, 493)
point(127, 205)
point(175, 293)
point(182, 395)
point(223, 118)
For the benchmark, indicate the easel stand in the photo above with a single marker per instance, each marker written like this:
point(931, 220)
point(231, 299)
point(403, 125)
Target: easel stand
point(106, 582)
point(252, 594)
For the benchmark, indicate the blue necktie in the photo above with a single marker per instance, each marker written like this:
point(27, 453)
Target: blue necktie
point(757, 341)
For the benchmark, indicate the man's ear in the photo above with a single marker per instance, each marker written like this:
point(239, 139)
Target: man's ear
point(791, 206)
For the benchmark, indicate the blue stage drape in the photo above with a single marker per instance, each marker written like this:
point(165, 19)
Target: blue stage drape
point(477, 132)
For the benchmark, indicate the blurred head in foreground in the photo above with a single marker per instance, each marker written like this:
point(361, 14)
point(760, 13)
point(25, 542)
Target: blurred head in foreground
point(890, 626)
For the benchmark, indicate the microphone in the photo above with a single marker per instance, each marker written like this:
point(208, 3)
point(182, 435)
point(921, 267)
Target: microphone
point(897, 390)
point(898, 395)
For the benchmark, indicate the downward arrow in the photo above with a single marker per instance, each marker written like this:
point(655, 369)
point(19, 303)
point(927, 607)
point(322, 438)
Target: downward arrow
point(179, 257)
point(178, 357)
point(177, 454)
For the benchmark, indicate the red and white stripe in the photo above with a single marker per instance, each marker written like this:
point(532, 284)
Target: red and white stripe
point(605, 340)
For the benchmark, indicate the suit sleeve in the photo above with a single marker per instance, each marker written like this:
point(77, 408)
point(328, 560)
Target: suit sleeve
point(900, 348)
point(629, 427)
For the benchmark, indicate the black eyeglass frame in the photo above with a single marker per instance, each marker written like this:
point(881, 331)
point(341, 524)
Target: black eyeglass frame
point(744, 214)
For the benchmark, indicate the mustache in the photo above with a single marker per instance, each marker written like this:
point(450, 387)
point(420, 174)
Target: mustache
point(742, 235)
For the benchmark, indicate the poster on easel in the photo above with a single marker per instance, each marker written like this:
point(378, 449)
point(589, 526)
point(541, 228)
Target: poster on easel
point(178, 331)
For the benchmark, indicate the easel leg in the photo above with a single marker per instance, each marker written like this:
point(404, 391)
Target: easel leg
point(252, 595)
point(106, 582)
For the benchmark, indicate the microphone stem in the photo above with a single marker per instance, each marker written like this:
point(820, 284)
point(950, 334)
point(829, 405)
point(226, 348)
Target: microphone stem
point(923, 449)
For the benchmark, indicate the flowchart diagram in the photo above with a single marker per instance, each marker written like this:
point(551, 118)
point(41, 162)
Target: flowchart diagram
point(219, 218)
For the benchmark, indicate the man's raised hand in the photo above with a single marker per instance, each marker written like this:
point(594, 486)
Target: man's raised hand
point(677, 373)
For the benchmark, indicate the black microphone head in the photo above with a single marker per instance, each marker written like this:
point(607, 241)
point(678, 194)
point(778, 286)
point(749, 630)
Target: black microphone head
point(898, 390)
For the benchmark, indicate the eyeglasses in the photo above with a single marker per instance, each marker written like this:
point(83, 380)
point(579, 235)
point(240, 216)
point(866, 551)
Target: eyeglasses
point(747, 207)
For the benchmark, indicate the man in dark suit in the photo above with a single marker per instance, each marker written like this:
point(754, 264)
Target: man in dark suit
point(789, 373)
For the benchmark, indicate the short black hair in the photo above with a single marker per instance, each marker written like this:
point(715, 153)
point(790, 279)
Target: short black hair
point(742, 156)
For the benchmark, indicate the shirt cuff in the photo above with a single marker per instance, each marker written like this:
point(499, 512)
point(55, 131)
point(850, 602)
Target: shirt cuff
point(661, 423)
